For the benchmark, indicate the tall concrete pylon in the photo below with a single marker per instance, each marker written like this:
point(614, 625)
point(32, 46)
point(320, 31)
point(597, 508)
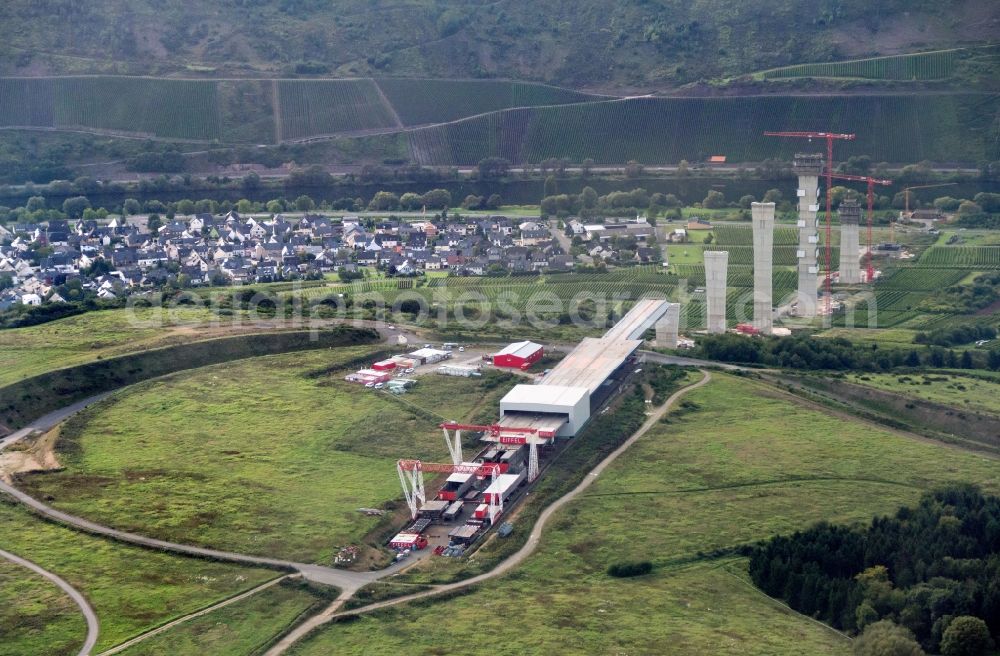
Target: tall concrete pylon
point(808, 168)
point(850, 256)
point(763, 266)
point(668, 326)
point(716, 272)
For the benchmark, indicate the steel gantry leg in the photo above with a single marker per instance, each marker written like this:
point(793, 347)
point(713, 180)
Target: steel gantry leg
point(454, 445)
point(412, 481)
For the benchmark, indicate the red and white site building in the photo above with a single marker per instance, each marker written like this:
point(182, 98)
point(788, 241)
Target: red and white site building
point(519, 355)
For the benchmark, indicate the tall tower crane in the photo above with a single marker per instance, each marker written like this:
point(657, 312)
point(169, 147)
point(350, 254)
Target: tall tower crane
point(830, 137)
point(871, 207)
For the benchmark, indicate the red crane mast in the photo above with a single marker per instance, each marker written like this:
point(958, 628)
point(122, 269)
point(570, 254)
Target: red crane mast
point(871, 182)
point(830, 137)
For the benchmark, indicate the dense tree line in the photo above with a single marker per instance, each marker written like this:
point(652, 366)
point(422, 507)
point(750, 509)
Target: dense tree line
point(837, 354)
point(924, 568)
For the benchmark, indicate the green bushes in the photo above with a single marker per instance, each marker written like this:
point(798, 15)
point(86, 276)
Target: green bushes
point(626, 570)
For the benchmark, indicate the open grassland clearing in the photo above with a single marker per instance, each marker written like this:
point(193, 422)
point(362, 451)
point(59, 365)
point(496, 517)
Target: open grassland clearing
point(34, 611)
point(93, 336)
point(270, 456)
point(242, 628)
point(737, 463)
point(955, 390)
point(131, 589)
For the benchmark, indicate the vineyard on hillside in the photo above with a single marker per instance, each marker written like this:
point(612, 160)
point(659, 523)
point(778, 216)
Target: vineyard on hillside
point(664, 130)
point(973, 257)
point(183, 109)
point(180, 109)
point(916, 66)
point(315, 107)
point(420, 102)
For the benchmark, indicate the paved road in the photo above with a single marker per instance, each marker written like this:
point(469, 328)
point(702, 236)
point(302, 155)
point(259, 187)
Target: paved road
point(511, 561)
point(88, 613)
point(49, 421)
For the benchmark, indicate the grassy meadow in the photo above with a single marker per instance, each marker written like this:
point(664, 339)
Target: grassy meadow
point(950, 389)
point(34, 611)
point(738, 462)
point(256, 456)
point(91, 336)
point(241, 628)
point(131, 589)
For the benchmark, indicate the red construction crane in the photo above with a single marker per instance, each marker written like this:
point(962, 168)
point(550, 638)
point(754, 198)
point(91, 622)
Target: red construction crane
point(830, 138)
point(411, 476)
point(871, 209)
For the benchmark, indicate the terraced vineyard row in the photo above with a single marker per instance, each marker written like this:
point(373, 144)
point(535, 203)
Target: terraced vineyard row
point(972, 257)
point(921, 279)
point(915, 66)
point(730, 235)
point(313, 107)
point(660, 130)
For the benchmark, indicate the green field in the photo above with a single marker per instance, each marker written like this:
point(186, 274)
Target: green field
point(91, 336)
point(954, 390)
point(131, 589)
point(664, 130)
point(313, 107)
point(737, 465)
point(256, 456)
point(33, 611)
point(239, 629)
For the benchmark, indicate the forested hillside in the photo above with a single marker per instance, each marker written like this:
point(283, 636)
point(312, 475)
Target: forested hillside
point(578, 43)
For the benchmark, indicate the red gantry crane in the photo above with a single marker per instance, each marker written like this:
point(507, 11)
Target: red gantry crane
point(830, 137)
point(504, 435)
point(871, 182)
point(411, 476)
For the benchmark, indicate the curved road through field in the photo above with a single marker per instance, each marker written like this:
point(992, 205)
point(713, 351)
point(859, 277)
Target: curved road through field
point(511, 561)
point(88, 613)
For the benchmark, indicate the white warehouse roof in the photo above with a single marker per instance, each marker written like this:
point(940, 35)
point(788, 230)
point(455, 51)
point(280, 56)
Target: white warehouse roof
point(520, 349)
point(429, 353)
point(554, 395)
